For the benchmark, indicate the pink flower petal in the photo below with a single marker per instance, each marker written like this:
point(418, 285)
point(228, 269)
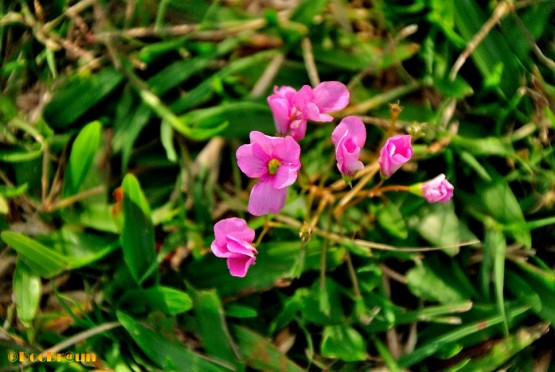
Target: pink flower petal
point(437, 190)
point(251, 162)
point(331, 96)
point(396, 151)
point(288, 150)
point(264, 198)
point(233, 225)
point(281, 113)
point(237, 246)
point(285, 176)
point(349, 138)
point(220, 250)
point(239, 265)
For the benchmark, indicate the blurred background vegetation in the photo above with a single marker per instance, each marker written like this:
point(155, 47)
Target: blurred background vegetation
point(119, 123)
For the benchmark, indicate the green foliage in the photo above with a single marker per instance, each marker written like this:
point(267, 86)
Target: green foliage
point(119, 125)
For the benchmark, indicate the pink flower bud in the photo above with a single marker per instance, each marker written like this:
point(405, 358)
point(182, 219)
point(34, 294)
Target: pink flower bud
point(437, 190)
point(396, 151)
point(234, 242)
point(349, 138)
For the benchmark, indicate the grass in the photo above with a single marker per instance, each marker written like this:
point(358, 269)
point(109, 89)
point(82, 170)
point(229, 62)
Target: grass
point(119, 125)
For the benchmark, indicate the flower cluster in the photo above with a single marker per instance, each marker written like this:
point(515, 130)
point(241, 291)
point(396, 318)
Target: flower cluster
point(275, 162)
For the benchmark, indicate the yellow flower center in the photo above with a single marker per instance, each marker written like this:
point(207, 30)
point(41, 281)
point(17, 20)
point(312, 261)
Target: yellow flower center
point(273, 166)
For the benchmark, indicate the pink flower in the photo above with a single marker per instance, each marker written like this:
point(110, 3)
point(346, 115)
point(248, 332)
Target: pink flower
point(437, 190)
point(349, 138)
point(396, 151)
point(292, 109)
point(234, 242)
point(275, 160)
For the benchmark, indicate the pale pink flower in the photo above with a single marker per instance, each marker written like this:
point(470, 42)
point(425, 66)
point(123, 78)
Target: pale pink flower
point(396, 151)
point(292, 109)
point(234, 242)
point(275, 160)
point(437, 190)
point(349, 138)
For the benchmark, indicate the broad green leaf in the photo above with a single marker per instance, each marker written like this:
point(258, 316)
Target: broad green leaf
point(487, 146)
point(273, 264)
point(213, 329)
point(456, 89)
point(131, 120)
point(437, 280)
point(205, 90)
point(78, 95)
point(260, 353)
point(391, 220)
point(534, 20)
point(533, 286)
point(492, 51)
point(166, 354)
point(177, 73)
point(240, 311)
point(137, 237)
point(435, 344)
point(441, 227)
point(442, 15)
point(82, 156)
point(360, 56)
point(504, 349)
point(168, 300)
point(307, 10)
point(208, 122)
point(40, 259)
point(343, 342)
point(12, 191)
point(27, 290)
point(96, 216)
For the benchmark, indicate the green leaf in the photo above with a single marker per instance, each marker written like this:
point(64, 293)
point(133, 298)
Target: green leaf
point(391, 220)
point(137, 237)
point(307, 10)
point(492, 51)
point(260, 353)
point(40, 259)
point(166, 354)
point(208, 122)
point(497, 199)
point(12, 191)
point(441, 227)
point(533, 286)
point(435, 344)
point(27, 290)
point(240, 311)
point(487, 146)
point(168, 300)
point(503, 350)
point(273, 264)
point(213, 329)
point(432, 314)
point(82, 156)
point(495, 240)
point(78, 95)
point(343, 342)
point(437, 280)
